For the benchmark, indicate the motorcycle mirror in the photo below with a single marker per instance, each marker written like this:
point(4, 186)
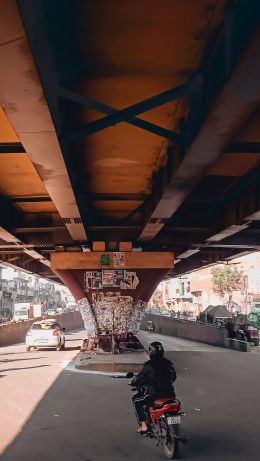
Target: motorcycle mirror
point(130, 374)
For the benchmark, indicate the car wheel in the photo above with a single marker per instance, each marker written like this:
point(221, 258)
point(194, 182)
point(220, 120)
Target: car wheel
point(63, 347)
point(28, 349)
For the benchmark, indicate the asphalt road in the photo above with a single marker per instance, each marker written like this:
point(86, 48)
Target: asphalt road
point(51, 412)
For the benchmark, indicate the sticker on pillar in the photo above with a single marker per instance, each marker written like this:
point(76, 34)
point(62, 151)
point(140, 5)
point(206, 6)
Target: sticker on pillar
point(105, 260)
point(119, 277)
point(108, 279)
point(130, 281)
point(92, 280)
point(119, 259)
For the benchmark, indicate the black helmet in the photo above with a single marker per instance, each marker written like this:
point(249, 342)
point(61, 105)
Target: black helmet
point(156, 350)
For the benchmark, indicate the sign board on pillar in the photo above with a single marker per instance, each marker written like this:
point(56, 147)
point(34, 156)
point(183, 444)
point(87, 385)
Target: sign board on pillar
point(105, 259)
point(119, 259)
point(132, 260)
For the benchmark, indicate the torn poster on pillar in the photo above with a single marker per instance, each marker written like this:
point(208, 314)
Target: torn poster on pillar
point(96, 280)
point(88, 318)
point(114, 312)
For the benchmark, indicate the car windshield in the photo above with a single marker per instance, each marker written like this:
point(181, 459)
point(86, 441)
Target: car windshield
point(45, 326)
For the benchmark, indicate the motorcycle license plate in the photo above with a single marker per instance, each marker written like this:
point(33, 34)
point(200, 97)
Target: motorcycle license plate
point(174, 420)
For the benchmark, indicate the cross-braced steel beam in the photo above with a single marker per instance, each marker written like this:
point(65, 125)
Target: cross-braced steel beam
point(109, 110)
point(124, 115)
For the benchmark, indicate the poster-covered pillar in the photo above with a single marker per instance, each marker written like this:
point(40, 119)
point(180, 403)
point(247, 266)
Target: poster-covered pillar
point(112, 296)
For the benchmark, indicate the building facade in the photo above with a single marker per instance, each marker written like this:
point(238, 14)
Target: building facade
point(19, 287)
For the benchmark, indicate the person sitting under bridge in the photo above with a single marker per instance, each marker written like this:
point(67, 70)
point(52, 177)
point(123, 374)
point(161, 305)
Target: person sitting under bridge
point(128, 342)
point(89, 344)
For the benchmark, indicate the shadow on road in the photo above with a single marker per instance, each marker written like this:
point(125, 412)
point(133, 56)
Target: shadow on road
point(24, 368)
point(89, 417)
point(73, 348)
point(13, 353)
point(76, 420)
point(19, 360)
point(68, 340)
point(52, 349)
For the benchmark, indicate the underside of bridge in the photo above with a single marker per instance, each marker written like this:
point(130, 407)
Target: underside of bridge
point(128, 130)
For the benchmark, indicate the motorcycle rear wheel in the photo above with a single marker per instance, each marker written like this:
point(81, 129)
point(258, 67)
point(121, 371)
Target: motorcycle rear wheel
point(171, 445)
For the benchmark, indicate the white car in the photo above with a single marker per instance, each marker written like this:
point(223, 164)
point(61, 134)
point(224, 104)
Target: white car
point(45, 333)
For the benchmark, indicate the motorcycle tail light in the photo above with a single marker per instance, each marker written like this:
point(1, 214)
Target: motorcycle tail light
point(174, 408)
point(55, 333)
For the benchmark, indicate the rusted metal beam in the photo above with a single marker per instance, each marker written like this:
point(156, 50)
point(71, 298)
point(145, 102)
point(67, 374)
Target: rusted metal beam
point(230, 39)
point(206, 258)
point(42, 142)
point(115, 197)
point(11, 148)
point(32, 266)
point(168, 228)
point(243, 147)
point(228, 245)
point(27, 199)
point(28, 230)
point(9, 215)
point(225, 116)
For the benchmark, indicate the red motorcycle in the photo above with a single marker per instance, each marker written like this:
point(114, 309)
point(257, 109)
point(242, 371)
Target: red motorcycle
point(164, 425)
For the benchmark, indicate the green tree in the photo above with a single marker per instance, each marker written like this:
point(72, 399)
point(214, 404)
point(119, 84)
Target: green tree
point(226, 280)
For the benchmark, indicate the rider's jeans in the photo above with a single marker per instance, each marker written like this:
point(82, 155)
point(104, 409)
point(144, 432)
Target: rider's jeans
point(141, 402)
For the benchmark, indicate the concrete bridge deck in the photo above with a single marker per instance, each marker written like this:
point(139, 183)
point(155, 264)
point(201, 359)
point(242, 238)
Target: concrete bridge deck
point(146, 115)
point(50, 410)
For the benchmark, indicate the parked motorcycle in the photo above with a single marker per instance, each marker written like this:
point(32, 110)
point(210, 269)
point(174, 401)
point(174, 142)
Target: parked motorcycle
point(248, 333)
point(164, 424)
point(150, 326)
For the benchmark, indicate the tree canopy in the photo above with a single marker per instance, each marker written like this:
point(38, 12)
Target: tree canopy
point(226, 280)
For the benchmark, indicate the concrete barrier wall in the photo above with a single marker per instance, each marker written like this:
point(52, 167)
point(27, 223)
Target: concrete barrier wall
point(193, 331)
point(237, 345)
point(15, 332)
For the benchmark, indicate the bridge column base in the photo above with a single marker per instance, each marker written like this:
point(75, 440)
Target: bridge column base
point(112, 289)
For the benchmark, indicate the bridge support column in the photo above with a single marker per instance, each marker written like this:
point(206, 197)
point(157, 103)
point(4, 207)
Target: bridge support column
point(112, 298)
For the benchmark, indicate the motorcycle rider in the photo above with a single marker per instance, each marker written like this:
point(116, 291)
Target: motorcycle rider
point(155, 380)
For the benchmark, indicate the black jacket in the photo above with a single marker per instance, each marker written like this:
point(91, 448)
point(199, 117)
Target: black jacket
point(157, 376)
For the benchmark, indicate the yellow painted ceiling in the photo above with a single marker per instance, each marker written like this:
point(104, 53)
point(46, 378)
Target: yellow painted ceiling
point(7, 133)
point(135, 50)
point(18, 177)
